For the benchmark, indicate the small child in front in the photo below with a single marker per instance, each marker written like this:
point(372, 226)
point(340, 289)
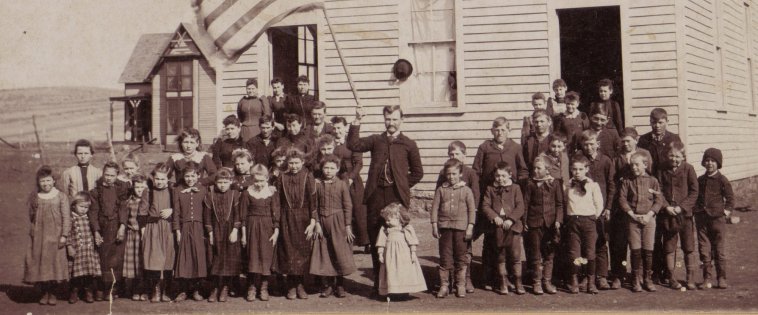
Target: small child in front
point(503, 205)
point(222, 223)
point(84, 261)
point(543, 199)
point(715, 202)
point(453, 215)
point(680, 189)
point(133, 253)
point(332, 254)
point(400, 270)
point(191, 261)
point(640, 197)
point(584, 206)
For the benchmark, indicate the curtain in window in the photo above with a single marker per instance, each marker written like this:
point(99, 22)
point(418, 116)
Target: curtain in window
point(433, 42)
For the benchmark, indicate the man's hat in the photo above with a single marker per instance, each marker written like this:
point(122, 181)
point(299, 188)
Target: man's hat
point(402, 69)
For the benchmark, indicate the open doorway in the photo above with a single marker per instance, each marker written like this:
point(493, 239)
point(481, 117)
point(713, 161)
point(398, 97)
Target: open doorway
point(591, 51)
point(295, 53)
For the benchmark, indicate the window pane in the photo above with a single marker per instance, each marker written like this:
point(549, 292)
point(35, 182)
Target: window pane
point(443, 24)
point(444, 57)
point(187, 68)
point(422, 28)
point(172, 83)
point(186, 83)
point(443, 4)
point(187, 113)
point(171, 68)
point(422, 89)
point(302, 70)
point(310, 52)
point(423, 55)
point(442, 87)
point(174, 116)
point(301, 51)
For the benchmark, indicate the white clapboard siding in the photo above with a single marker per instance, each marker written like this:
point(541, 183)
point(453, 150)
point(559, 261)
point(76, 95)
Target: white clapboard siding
point(206, 95)
point(652, 53)
point(718, 84)
point(158, 110)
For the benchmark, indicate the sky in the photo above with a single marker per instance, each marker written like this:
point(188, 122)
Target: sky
point(77, 42)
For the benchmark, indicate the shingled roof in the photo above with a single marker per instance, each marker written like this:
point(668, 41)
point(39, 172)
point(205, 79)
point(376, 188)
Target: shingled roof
point(145, 56)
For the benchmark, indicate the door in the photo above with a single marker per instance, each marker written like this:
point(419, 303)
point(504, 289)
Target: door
point(294, 53)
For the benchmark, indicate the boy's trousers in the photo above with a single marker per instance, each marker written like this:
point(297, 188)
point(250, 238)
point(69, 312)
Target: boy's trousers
point(642, 235)
point(453, 251)
point(686, 235)
point(711, 234)
point(618, 243)
point(582, 236)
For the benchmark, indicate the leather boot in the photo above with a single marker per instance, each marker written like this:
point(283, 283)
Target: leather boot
point(156, 297)
point(213, 295)
point(340, 287)
point(670, 266)
point(52, 299)
point(707, 275)
point(574, 281)
point(547, 277)
point(88, 296)
point(691, 278)
point(264, 289)
point(460, 281)
point(164, 290)
point(74, 295)
point(222, 295)
point(469, 284)
point(519, 286)
point(301, 293)
point(537, 279)
point(326, 287)
point(291, 288)
point(502, 272)
point(636, 257)
point(444, 283)
point(721, 274)
point(647, 266)
point(591, 288)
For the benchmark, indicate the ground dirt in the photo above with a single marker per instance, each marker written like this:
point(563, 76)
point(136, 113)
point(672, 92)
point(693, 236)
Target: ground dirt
point(17, 171)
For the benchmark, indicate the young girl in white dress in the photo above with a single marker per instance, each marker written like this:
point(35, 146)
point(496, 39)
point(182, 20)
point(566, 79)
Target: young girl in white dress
point(400, 270)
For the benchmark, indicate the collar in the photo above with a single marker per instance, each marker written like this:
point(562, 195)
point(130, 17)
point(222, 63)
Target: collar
point(248, 97)
point(339, 141)
point(48, 195)
point(82, 165)
point(263, 193)
point(717, 172)
point(498, 146)
point(196, 156)
point(574, 115)
point(76, 215)
point(658, 138)
point(560, 99)
point(456, 186)
point(393, 135)
point(328, 181)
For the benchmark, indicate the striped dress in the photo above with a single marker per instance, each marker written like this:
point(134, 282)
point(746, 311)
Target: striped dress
point(86, 261)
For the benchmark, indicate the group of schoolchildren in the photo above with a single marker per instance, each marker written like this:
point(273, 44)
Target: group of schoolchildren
point(579, 194)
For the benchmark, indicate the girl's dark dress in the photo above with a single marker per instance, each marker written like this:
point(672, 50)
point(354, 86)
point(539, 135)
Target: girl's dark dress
point(297, 193)
point(332, 254)
point(221, 215)
point(260, 216)
point(191, 256)
point(352, 162)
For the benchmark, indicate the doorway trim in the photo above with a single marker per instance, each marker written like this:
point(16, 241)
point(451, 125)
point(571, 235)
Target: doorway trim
point(554, 43)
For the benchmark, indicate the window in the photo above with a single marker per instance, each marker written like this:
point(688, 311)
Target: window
point(178, 96)
point(749, 56)
point(306, 55)
point(432, 41)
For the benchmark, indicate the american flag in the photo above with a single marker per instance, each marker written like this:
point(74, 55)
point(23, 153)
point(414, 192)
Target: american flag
point(233, 26)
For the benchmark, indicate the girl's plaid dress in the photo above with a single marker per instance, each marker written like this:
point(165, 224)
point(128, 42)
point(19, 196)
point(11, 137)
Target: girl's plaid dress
point(86, 261)
point(133, 251)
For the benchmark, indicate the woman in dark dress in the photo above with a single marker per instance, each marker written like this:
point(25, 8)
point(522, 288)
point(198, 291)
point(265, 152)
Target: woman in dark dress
point(250, 109)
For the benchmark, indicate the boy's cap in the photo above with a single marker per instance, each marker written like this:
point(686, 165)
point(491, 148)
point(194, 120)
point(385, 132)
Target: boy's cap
point(715, 154)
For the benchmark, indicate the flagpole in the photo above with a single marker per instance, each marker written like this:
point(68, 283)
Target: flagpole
point(342, 59)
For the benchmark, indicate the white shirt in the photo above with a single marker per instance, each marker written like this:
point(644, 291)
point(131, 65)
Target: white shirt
point(588, 204)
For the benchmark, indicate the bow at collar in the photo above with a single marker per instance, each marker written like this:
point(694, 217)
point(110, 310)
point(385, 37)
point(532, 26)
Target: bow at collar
point(190, 190)
point(580, 185)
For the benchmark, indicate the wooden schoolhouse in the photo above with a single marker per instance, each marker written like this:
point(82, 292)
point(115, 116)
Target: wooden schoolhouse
point(474, 60)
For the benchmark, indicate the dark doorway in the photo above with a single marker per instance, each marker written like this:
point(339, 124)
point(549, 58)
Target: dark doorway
point(294, 54)
point(591, 51)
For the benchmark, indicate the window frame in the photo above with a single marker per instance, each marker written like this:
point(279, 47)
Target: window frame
point(183, 95)
point(407, 44)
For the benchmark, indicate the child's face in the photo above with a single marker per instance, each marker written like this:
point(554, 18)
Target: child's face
point(81, 208)
point(266, 130)
point(539, 104)
point(605, 92)
point(46, 184)
point(340, 130)
point(500, 134)
point(260, 182)
point(295, 164)
point(83, 155)
point(327, 148)
point(556, 147)
point(639, 165)
point(130, 168)
point(676, 157)
point(502, 177)
point(190, 178)
point(559, 90)
point(541, 124)
point(457, 154)
point(242, 165)
point(139, 188)
point(571, 107)
point(628, 144)
point(453, 175)
point(329, 170)
point(659, 125)
point(232, 130)
point(590, 146)
point(189, 145)
point(318, 116)
point(160, 180)
point(598, 121)
point(279, 161)
point(710, 165)
point(109, 175)
point(579, 170)
point(393, 220)
point(293, 127)
point(540, 170)
point(223, 184)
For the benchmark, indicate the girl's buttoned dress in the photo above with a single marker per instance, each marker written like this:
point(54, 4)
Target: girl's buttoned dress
point(221, 215)
point(191, 258)
point(51, 218)
point(86, 261)
point(352, 163)
point(332, 255)
point(398, 274)
point(104, 217)
point(260, 215)
point(159, 251)
point(297, 193)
